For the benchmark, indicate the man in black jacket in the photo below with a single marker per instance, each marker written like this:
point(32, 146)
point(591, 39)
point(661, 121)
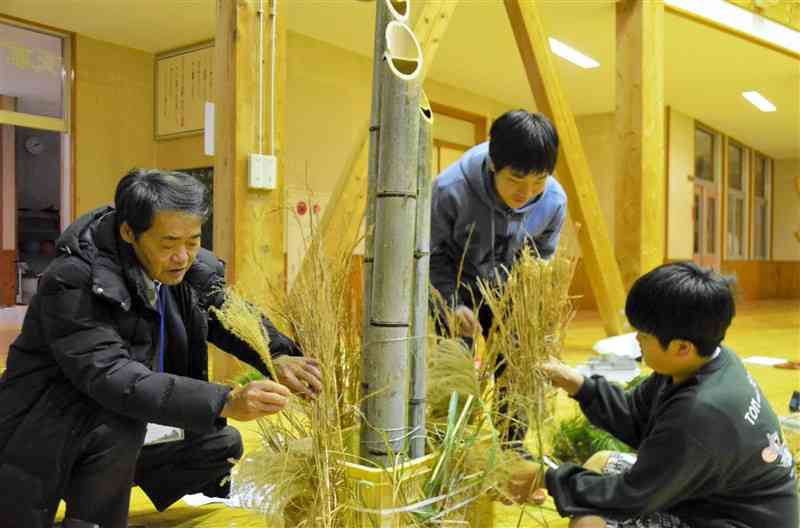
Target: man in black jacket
point(710, 452)
point(116, 338)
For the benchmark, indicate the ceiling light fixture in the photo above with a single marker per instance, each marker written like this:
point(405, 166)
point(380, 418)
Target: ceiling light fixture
point(572, 55)
point(759, 101)
point(741, 20)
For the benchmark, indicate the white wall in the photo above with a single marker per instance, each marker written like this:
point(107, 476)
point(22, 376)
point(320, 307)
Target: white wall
point(328, 105)
point(680, 187)
point(786, 215)
point(597, 136)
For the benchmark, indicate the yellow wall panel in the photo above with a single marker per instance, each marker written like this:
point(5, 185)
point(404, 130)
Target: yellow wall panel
point(113, 118)
point(182, 153)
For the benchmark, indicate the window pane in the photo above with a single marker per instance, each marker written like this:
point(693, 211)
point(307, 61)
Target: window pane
point(761, 176)
point(711, 220)
point(735, 158)
point(736, 227)
point(31, 69)
point(703, 154)
point(760, 230)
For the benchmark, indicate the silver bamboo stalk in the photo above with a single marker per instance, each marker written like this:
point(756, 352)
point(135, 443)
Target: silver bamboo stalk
point(385, 12)
point(419, 307)
point(386, 339)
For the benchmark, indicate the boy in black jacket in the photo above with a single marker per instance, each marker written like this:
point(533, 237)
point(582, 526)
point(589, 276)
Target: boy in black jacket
point(710, 449)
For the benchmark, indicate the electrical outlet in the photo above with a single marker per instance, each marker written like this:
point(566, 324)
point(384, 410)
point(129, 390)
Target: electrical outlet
point(263, 173)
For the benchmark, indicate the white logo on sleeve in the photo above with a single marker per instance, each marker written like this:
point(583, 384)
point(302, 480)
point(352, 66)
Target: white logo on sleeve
point(777, 450)
point(754, 408)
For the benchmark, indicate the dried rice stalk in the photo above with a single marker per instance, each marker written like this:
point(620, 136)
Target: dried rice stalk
point(451, 368)
point(298, 477)
point(531, 311)
point(243, 320)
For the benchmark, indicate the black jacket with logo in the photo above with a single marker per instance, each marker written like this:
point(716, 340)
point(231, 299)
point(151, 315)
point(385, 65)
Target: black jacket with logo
point(87, 343)
point(710, 451)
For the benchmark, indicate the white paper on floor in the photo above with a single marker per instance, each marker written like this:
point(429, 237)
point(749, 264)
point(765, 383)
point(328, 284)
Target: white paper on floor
point(624, 345)
point(198, 499)
point(764, 360)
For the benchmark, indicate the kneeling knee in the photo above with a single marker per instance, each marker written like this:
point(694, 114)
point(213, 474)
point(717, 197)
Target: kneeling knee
point(233, 441)
point(598, 461)
point(589, 521)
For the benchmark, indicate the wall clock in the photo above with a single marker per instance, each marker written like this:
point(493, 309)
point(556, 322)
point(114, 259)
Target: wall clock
point(34, 145)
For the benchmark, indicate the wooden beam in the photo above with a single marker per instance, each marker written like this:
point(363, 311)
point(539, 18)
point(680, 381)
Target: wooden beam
point(32, 121)
point(639, 176)
point(786, 13)
point(343, 222)
point(572, 168)
point(8, 185)
point(731, 31)
point(248, 223)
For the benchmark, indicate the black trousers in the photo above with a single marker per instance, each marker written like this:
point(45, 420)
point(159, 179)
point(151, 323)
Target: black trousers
point(518, 427)
point(110, 458)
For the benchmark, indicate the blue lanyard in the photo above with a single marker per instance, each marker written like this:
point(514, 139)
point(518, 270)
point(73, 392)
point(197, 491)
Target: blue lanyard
point(162, 304)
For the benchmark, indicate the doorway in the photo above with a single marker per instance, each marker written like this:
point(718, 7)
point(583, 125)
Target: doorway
point(38, 203)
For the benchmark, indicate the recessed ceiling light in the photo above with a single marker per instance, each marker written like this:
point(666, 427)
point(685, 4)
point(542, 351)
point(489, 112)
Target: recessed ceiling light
point(732, 16)
point(572, 55)
point(759, 101)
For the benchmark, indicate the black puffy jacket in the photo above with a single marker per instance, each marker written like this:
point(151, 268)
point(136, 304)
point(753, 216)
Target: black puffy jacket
point(87, 343)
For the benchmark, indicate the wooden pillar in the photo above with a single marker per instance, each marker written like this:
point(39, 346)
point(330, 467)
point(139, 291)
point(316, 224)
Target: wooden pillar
point(248, 223)
point(8, 181)
point(350, 195)
point(572, 168)
point(639, 203)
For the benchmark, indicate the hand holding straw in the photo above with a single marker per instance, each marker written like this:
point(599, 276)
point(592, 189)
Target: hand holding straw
point(254, 400)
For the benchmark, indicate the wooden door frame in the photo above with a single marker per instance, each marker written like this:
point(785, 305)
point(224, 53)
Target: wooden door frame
point(479, 121)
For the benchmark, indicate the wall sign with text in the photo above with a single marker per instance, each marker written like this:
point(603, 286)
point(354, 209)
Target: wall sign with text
point(184, 83)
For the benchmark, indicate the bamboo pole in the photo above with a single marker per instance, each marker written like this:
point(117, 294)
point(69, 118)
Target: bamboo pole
point(343, 222)
point(385, 371)
point(385, 12)
point(419, 308)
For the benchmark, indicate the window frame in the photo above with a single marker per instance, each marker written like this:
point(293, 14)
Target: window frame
point(766, 200)
point(741, 196)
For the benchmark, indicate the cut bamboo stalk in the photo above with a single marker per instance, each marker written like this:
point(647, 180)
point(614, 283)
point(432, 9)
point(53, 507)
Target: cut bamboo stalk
point(385, 12)
point(419, 309)
point(386, 341)
point(343, 222)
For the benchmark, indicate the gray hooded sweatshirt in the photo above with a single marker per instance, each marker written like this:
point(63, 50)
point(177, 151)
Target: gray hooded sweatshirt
point(468, 218)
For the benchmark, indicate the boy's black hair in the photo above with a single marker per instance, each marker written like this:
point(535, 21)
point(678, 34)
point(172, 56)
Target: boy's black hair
point(683, 301)
point(142, 193)
point(527, 142)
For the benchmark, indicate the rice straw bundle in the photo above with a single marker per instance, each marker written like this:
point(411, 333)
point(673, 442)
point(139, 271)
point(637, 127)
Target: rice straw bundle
point(451, 368)
point(243, 320)
point(531, 310)
point(297, 476)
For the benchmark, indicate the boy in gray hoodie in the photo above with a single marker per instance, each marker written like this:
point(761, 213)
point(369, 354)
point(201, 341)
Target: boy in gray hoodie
point(499, 197)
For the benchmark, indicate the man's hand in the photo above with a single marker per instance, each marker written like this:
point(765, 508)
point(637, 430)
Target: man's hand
point(301, 375)
point(254, 400)
point(525, 485)
point(562, 376)
point(468, 324)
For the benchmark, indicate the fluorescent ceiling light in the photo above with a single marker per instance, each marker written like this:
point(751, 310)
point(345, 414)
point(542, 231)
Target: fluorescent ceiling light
point(572, 55)
point(744, 21)
point(759, 101)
